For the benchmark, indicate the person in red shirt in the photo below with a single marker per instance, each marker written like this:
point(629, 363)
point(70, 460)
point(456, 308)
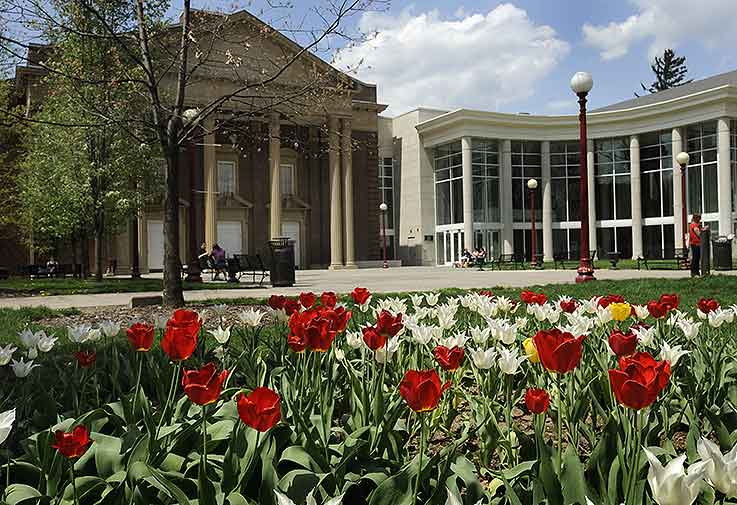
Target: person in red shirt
point(694, 241)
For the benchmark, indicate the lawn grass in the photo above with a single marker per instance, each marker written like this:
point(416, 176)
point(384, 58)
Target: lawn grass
point(48, 287)
point(13, 321)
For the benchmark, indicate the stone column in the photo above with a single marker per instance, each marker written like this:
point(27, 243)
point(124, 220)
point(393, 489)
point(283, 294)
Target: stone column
point(506, 197)
point(336, 223)
point(677, 146)
point(467, 172)
point(274, 168)
point(635, 196)
point(547, 203)
point(592, 194)
point(211, 188)
point(347, 162)
point(725, 177)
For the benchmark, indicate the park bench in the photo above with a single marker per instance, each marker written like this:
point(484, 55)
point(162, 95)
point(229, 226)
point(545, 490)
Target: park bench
point(664, 259)
point(513, 260)
point(571, 259)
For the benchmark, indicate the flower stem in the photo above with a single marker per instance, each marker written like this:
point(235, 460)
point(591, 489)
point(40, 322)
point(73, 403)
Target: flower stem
point(204, 440)
point(508, 419)
point(138, 383)
point(74, 482)
point(7, 478)
point(169, 396)
point(422, 449)
point(560, 432)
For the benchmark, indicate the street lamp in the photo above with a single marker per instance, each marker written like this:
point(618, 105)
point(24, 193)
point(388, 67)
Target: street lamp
point(682, 159)
point(383, 208)
point(581, 84)
point(532, 186)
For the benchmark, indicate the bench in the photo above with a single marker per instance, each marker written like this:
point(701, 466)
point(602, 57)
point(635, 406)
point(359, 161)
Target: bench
point(664, 259)
point(253, 265)
point(571, 260)
point(42, 272)
point(514, 260)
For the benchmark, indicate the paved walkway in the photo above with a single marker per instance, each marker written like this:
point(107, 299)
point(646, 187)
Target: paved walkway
point(343, 281)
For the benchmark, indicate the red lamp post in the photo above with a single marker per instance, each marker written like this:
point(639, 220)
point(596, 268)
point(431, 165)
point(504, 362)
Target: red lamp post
point(682, 159)
point(581, 84)
point(383, 208)
point(532, 186)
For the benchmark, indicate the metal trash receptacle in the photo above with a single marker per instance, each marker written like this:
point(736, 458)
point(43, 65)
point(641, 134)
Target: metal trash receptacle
point(722, 253)
point(282, 262)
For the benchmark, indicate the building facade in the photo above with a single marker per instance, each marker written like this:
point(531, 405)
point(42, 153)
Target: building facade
point(464, 173)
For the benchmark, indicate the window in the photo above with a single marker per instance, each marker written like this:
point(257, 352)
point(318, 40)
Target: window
point(612, 176)
point(733, 159)
point(615, 239)
point(386, 188)
point(656, 174)
point(448, 184)
point(286, 179)
point(659, 240)
point(226, 177)
point(485, 163)
point(701, 174)
point(525, 166)
point(565, 181)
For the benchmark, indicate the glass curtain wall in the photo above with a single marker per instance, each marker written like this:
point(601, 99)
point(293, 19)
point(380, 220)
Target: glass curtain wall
point(386, 189)
point(565, 180)
point(656, 195)
point(486, 196)
point(613, 204)
point(449, 237)
point(701, 174)
point(526, 164)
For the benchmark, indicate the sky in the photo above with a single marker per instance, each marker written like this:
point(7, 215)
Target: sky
point(519, 55)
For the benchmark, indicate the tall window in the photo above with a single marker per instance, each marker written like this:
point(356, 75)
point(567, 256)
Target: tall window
point(386, 188)
point(656, 194)
point(612, 170)
point(701, 174)
point(286, 179)
point(226, 177)
point(733, 159)
point(565, 180)
point(525, 166)
point(448, 184)
point(485, 159)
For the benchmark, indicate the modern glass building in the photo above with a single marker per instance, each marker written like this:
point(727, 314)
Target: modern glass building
point(464, 174)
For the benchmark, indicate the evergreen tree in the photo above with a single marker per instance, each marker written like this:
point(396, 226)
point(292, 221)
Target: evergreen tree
point(670, 71)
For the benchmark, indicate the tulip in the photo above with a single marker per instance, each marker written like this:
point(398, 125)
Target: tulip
point(141, 336)
point(291, 306)
point(449, 359)
point(78, 334)
point(422, 334)
point(689, 328)
point(416, 300)
point(483, 360)
point(605, 301)
point(72, 444)
point(160, 322)
point(94, 335)
point(328, 299)
point(645, 334)
point(373, 339)
point(567, 305)
point(6, 354)
point(669, 301)
point(180, 338)
point(354, 339)
point(432, 299)
point(505, 332)
point(30, 339)
point(639, 380)
point(110, 328)
point(656, 309)
point(706, 305)
point(670, 485)
point(457, 340)
point(203, 386)
point(386, 353)
point(220, 310)
point(509, 360)
point(45, 344)
point(308, 299)
point(276, 302)
point(7, 419)
point(480, 335)
point(718, 317)
point(558, 351)
point(421, 390)
point(622, 344)
point(723, 469)
point(260, 410)
point(21, 368)
point(620, 311)
point(672, 354)
point(388, 325)
point(537, 400)
point(251, 317)
point(86, 358)
point(361, 296)
point(530, 350)
point(641, 311)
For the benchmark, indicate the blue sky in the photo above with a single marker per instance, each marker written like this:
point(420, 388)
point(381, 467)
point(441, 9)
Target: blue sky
point(519, 55)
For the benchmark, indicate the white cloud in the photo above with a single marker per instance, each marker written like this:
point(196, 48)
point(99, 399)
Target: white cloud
point(664, 24)
point(480, 60)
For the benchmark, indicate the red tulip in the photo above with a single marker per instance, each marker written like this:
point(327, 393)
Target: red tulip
point(671, 301)
point(656, 309)
point(606, 301)
point(486, 292)
point(568, 306)
point(260, 410)
point(180, 337)
point(316, 328)
point(623, 344)
point(328, 299)
point(537, 400)
point(72, 444)
point(707, 305)
point(86, 358)
point(639, 380)
point(338, 317)
point(203, 386)
point(141, 336)
point(421, 389)
point(532, 298)
point(319, 335)
point(449, 359)
point(558, 351)
point(389, 325)
point(360, 295)
point(374, 340)
point(290, 306)
point(276, 302)
point(307, 299)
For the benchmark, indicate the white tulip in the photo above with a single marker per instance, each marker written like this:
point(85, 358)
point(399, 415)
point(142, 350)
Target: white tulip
point(509, 360)
point(45, 344)
point(457, 340)
point(445, 322)
point(689, 328)
point(483, 359)
point(718, 317)
point(365, 306)
point(423, 313)
point(672, 354)
point(32, 353)
point(29, 339)
point(590, 306)
point(339, 354)
point(432, 299)
point(6, 354)
point(251, 317)
point(355, 339)
point(7, 419)
point(671, 485)
point(110, 328)
point(385, 354)
point(603, 316)
point(675, 316)
point(480, 335)
point(221, 335)
point(423, 334)
point(645, 336)
point(504, 304)
point(22, 368)
point(278, 315)
point(641, 311)
point(723, 471)
point(160, 322)
point(220, 310)
point(503, 331)
point(417, 300)
point(78, 334)
point(94, 335)
point(701, 315)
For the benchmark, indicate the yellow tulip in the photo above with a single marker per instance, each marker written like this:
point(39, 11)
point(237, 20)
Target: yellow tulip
point(531, 350)
point(620, 311)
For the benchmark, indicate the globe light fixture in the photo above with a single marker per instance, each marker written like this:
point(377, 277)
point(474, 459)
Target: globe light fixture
point(532, 184)
point(582, 82)
point(682, 159)
point(383, 207)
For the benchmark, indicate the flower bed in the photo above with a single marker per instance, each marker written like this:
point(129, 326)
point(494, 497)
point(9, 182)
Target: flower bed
point(463, 399)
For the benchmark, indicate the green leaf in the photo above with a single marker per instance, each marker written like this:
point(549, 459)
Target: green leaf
point(573, 481)
point(22, 494)
point(108, 459)
point(164, 484)
point(396, 490)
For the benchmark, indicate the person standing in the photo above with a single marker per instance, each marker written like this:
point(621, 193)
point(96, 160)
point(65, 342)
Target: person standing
point(694, 242)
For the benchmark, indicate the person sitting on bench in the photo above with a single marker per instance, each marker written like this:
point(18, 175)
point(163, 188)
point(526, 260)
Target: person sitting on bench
point(218, 260)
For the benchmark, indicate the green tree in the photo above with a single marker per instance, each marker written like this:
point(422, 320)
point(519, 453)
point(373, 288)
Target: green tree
point(670, 71)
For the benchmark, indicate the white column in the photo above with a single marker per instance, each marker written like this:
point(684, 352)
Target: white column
point(506, 190)
point(467, 192)
point(274, 168)
point(677, 145)
point(635, 191)
point(211, 188)
point(347, 159)
point(336, 222)
point(592, 194)
point(724, 177)
point(547, 203)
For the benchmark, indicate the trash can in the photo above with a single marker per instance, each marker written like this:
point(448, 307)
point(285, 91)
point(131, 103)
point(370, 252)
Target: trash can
point(722, 252)
point(282, 262)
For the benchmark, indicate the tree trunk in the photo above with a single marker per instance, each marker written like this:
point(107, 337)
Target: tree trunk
point(85, 251)
point(99, 237)
point(173, 295)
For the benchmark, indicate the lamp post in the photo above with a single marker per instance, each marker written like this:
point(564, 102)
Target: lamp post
point(532, 186)
point(682, 159)
point(383, 208)
point(581, 84)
